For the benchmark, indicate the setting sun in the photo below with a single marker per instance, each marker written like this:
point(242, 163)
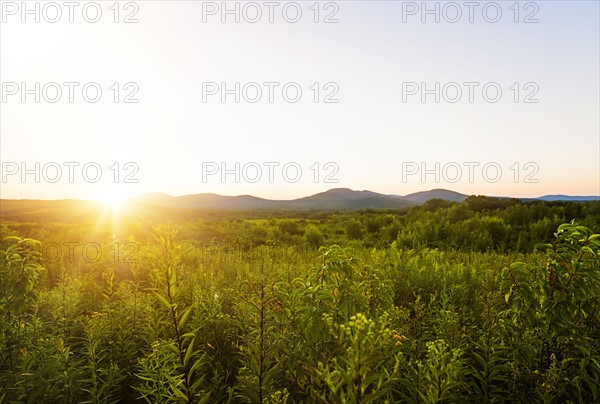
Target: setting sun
point(114, 200)
point(114, 209)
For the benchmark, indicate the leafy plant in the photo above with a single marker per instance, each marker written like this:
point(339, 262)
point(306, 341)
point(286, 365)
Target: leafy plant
point(558, 302)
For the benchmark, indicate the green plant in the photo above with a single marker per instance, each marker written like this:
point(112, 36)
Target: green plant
point(439, 374)
point(183, 377)
point(260, 346)
point(360, 373)
point(558, 302)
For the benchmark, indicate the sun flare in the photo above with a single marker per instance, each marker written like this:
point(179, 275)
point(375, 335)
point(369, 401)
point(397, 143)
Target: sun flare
point(114, 201)
point(115, 209)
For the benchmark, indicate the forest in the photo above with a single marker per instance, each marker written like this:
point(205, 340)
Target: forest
point(488, 300)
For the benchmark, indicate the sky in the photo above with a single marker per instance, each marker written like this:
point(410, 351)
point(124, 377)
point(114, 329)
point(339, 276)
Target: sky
point(499, 98)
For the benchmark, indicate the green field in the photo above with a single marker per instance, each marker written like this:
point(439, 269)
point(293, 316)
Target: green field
point(488, 300)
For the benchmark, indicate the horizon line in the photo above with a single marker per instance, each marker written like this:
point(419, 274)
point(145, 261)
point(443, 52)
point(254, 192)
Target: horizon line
point(146, 194)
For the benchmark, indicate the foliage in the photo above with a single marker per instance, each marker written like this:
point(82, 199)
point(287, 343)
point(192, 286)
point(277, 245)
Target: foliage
point(444, 302)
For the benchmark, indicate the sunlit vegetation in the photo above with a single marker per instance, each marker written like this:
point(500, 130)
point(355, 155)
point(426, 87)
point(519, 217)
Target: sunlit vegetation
point(488, 300)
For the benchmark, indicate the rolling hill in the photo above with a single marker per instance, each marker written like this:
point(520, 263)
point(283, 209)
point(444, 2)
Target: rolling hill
point(334, 199)
point(424, 196)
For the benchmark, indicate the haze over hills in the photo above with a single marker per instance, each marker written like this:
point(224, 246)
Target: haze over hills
point(586, 198)
point(333, 199)
point(424, 196)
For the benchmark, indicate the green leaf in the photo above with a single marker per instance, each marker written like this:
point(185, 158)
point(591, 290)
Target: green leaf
point(507, 295)
point(164, 301)
point(184, 317)
point(189, 352)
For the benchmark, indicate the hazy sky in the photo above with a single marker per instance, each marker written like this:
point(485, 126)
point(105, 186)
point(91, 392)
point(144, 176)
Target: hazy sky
point(380, 135)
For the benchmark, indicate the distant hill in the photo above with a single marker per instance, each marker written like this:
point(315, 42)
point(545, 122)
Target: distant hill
point(334, 199)
point(574, 198)
point(158, 198)
point(215, 201)
point(347, 199)
point(424, 196)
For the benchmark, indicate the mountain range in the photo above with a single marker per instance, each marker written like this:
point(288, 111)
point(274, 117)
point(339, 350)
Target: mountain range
point(333, 199)
point(338, 199)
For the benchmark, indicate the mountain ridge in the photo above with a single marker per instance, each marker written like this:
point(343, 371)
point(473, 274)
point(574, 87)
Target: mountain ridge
point(334, 199)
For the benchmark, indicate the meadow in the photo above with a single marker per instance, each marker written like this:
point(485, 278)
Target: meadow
point(487, 300)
